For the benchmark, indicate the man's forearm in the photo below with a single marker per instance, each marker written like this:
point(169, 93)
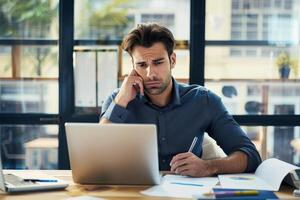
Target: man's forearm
point(234, 163)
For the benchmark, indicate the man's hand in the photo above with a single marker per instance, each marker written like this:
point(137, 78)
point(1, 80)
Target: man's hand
point(131, 85)
point(188, 164)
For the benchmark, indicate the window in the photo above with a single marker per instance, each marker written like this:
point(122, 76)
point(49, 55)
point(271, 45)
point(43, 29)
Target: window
point(104, 24)
point(276, 142)
point(22, 146)
point(252, 66)
point(29, 83)
point(241, 67)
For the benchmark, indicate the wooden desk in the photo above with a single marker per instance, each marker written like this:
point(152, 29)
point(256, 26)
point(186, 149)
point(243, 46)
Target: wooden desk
point(106, 192)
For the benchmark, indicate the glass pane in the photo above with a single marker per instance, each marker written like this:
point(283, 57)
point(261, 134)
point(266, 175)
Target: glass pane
point(252, 20)
point(29, 96)
point(19, 61)
point(29, 146)
point(5, 61)
point(111, 20)
point(252, 97)
point(251, 62)
point(282, 142)
point(30, 19)
point(249, 79)
point(29, 72)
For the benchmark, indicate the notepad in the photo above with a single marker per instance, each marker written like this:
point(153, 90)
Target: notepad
point(268, 176)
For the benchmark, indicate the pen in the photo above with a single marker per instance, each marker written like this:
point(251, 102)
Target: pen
point(233, 193)
point(193, 144)
point(39, 180)
point(189, 184)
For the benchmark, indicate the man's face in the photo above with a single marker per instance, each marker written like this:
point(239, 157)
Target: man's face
point(154, 66)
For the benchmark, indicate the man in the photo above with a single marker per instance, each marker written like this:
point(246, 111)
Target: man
point(149, 94)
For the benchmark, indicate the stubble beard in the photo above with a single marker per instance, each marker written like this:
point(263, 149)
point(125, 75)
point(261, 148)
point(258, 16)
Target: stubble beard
point(161, 89)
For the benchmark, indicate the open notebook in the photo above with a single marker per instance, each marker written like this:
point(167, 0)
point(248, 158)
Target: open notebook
point(268, 176)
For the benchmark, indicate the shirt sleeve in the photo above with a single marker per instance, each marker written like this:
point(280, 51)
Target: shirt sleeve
point(228, 134)
point(112, 111)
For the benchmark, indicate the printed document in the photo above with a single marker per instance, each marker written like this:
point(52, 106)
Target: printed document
point(268, 176)
point(181, 186)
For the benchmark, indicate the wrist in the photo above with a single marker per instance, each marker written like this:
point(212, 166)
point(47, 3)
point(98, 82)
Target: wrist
point(212, 167)
point(120, 102)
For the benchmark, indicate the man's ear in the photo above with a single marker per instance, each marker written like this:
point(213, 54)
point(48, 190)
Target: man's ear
point(173, 60)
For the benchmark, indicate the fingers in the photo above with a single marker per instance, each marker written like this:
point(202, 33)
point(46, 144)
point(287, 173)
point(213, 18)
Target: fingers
point(182, 167)
point(180, 157)
point(133, 73)
point(136, 80)
point(137, 83)
point(186, 168)
point(188, 164)
point(178, 164)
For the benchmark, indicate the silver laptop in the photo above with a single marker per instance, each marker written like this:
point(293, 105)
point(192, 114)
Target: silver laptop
point(21, 181)
point(113, 153)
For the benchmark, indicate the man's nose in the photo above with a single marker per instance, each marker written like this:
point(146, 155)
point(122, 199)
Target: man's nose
point(150, 72)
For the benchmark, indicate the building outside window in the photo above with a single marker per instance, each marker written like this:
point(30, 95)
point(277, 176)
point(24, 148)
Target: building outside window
point(242, 69)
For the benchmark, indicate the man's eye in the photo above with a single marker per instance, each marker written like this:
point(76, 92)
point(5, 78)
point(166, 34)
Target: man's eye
point(158, 63)
point(143, 65)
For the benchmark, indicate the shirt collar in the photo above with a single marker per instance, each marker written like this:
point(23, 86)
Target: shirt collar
point(175, 99)
point(175, 94)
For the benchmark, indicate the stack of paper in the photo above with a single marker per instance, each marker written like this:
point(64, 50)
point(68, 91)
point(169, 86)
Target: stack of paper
point(268, 176)
point(181, 186)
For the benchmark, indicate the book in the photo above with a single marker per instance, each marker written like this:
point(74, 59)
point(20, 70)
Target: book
point(268, 176)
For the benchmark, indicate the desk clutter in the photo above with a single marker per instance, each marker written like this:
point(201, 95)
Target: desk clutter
point(259, 185)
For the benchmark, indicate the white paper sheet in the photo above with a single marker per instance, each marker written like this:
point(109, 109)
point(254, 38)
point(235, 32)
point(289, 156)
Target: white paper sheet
point(273, 171)
point(243, 181)
point(268, 176)
point(181, 186)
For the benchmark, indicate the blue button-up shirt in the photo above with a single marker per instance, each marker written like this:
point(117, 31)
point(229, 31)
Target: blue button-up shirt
point(192, 111)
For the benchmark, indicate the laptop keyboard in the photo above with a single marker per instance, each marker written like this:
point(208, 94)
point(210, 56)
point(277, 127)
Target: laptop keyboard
point(16, 181)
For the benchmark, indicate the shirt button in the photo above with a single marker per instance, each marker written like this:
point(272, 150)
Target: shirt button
point(164, 160)
point(163, 139)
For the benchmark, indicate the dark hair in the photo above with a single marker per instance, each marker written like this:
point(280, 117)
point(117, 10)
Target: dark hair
point(146, 35)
